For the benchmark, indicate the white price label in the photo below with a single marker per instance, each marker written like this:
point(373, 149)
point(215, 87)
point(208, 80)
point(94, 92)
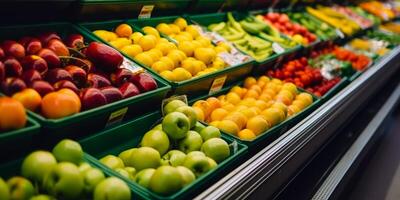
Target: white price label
point(339, 33)
point(217, 85)
point(146, 11)
point(277, 48)
point(133, 67)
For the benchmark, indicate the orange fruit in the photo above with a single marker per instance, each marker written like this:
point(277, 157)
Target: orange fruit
point(249, 102)
point(292, 110)
point(300, 104)
point(73, 95)
point(261, 104)
point(239, 118)
point(228, 126)
point(307, 98)
point(214, 103)
point(249, 113)
point(123, 30)
point(15, 117)
point(280, 106)
point(29, 98)
point(59, 104)
point(272, 116)
point(277, 81)
point(269, 91)
point(222, 98)
point(233, 98)
point(284, 99)
point(238, 90)
point(258, 125)
point(265, 97)
point(263, 79)
point(199, 113)
point(240, 107)
point(291, 87)
point(249, 81)
point(256, 110)
point(285, 92)
point(256, 88)
point(218, 114)
point(204, 106)
point(251, 94)
point(214, 123)
point(246, 134)
point(229, 107)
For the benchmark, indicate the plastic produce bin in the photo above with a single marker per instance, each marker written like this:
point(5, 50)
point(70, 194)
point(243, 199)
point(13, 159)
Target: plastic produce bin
point(92, 120)
point(117, 139)
point(193, 87)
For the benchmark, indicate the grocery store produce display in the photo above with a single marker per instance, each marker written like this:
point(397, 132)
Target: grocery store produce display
point(229, 83)
point(62, 173)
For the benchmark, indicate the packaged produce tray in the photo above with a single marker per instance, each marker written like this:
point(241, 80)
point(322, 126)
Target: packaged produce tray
point(193, 87)
point(92, 120)
point(274, 132)
point(117, 139)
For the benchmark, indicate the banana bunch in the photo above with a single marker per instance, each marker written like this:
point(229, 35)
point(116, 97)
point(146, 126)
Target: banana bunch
point(335, 19)
point(238, 34)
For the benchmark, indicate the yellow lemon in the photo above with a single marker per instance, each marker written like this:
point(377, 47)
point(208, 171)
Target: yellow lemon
point(186, 34)
point(135, 37)
point(120, 42)
point(156, 54)
point(175, 29)
point(204, 41)
point(159, 66)
point(148, 30)
point(192, 30)
point(168, 62)
point(144, 58)
point(189, 65)
point(164, 28)
point(132, 50)
point(105, 35)
point(168, 75)
point(163, 47)
point(181, 23)
point(218, 64)
point(181, 74)
point(187, 47)
point(147, 42)
point(181, 38)
point(197, 44)
point(206, 55)
point(162, 40)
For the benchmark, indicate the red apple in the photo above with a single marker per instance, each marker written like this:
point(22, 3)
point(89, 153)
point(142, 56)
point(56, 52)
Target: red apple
point(42, 87)
point(79, 76)
point(36, 63)
point(2, 72)
point(111, 93)
point(120, 76)
point(144, 81)
point(66, 84)
point(75, 41)
point(13, 48)
point(50, 57)
point(129, 90)
point(97, 81)
point(104, 56)
point(30, 76)
point(90, 67)
point(58, 47)
point(12, 85)
point(13, 67)
point(33, 46)
point(2, 54)
point(46, 37)
point(91, 98)
point(58, 74)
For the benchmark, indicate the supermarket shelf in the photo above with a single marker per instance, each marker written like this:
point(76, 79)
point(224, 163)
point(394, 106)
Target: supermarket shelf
point(333, 185)
point(266, 172)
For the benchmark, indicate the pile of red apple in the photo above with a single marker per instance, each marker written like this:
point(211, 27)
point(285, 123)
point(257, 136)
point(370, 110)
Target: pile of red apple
point(62, 174)
point(45, 63)
point(282, 22)
point(300, 73)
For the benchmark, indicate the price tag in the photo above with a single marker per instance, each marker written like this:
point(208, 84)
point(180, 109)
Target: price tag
point(146, 11)
point(234, 146)
point(339, 33)
point(229, 58)
point(277, 48)
point(217, 85)
point(117, 116)
point(133, 67)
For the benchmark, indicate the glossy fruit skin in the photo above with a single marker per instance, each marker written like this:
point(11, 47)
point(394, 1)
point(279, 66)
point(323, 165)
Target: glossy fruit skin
point(176, 125)
point(113, 162)
point(37, 164)
point(13, 49)
point(75, 41)
point(17, 117)
point(143, 158)
point(66, 84)
point(79, 75)
point(192, 142)
point(30, 76)
point(68, 151)
point(173, 158)
point(12, 85)
point(29, 98)
point(187, 175)
point(144, 81)
point(172, 106)
point(2, 71)
point(66, 103)
point(190, 114)
point(210, 132)
point(216, 148)
point(157, 140)
point(129, 90)
point(112, 188)
point(42, 87)
point(144, 176)
point(58, 74)
point(92, 177)
point(46, 37)
point(32, 46)
point(50, 57)
point(166, 180)
point(111, 93)
point(36, 63)
point(97, 81)
point(4, 190)
point(13, 67)
point(58, 47)
point(197, 162)
point(121, 76)
point(104, 56)
point(92, 98)
point(20, 188)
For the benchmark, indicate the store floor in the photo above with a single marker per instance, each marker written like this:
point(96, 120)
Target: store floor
point(380, 178)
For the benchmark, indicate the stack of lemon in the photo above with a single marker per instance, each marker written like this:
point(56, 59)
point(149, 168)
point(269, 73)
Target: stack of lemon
point(251, 110)
point(173, 62)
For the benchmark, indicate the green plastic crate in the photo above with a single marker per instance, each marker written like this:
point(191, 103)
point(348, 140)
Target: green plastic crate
point(18, 142)
point(274, 132)
point(117, 139)
point(92, 120)
point(268, 63)
point(193, 87)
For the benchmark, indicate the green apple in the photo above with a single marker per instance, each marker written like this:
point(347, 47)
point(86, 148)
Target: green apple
point(172, 106)
point(69, 151)
point(20, 188)
point(112, 188)
point(84, 167)
point(125, 156)
point(122, 172)
point(156, 139)
point(210, 132)
point(216, 148)
point(173, 158)
point(212, 162)
point(166, 180)
point(158, 127)
point(144, 157)
point(196, 153)
point(131, 171)
point(190, 113)
point(112, 162)
point(42, 197)
point(4, 190)
point(186, 174)
point(198, 127)
point(197, 163)
point(91, 178)
point(64, 180)
point(37, 164)
point(143, 177)
point(176, 125)
point(192, 142)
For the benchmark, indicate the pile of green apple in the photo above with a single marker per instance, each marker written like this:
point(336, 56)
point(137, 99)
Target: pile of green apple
point(62, 174)
point(173, 154)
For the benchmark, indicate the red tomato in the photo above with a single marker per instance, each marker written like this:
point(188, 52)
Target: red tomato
point(287, 74)
point(291, 68)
